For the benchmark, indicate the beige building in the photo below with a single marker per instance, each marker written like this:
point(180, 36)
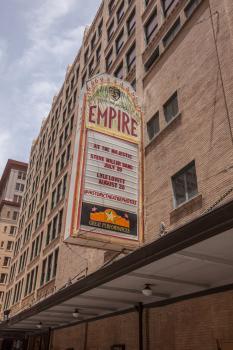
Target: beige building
point(12, 186)
point(178, 55)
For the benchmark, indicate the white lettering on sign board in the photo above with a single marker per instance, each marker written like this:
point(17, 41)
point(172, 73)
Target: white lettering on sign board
point(111, 172)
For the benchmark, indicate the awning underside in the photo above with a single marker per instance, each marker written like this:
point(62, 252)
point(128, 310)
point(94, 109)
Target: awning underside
point(200, 267)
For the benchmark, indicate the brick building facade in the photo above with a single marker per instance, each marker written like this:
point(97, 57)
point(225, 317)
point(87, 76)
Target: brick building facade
point(178, 56)
point(11, 192)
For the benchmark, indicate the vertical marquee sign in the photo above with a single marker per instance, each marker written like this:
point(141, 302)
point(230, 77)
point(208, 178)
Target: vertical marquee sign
point(104, 205)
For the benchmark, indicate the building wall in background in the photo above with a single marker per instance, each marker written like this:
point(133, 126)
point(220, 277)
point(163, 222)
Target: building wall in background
point(12, 185)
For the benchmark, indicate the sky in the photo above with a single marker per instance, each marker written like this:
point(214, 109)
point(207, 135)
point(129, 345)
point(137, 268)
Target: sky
point(38, 39)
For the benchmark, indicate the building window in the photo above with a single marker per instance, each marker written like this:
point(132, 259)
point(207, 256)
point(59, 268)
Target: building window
point(12, 230)
point(153, 58)
point(36, 246)
point(119, 71)
point(192, 5)
point(133, 84)
point(151, 26)
point(55, 263)
point(171, 108)
point(171, 34)
point(1, 296)
point(9, 245)
point(3, 277)
point(31, 281)
point(184, 184)
point(54, 227)
point(131, 22)
point(49, 267)
point(71, 85)
point(153, 126)
point(120, 12)
point(109, 59)
point(2, 244)
point(5, 229)
point(131, 57)
point(111, 6)
point(91, 68)
point(120, 41)
point(17, 199)
point(6, 261)
point(84, 78)
point(21, 175)
point(167, 4)
point(86, 55)
point(147, 2)
point(110, 30)
point(100, 27)
point(93, 41)
point(15, 215)
point(98, 53)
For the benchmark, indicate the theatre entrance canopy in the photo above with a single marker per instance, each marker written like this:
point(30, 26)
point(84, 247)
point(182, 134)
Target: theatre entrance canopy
point(189, 262)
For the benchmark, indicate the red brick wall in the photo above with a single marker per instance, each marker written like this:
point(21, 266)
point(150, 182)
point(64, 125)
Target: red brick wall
point(101, 334)
point(190, 66)
point(189, 325)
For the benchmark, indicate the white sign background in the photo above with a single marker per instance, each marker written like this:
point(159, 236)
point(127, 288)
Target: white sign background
point(102, 151)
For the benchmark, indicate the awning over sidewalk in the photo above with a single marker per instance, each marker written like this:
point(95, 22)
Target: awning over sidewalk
point(194, 259)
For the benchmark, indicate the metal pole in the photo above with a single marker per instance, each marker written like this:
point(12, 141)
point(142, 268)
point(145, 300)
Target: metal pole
point(139, 309)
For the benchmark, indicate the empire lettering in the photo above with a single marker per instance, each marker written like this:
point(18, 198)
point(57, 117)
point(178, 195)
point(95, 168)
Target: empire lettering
point(110, 117)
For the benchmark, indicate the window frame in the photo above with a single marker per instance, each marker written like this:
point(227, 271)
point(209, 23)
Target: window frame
point(149, 20)
point(155, 130)
point(168, 119)
point(183, 172)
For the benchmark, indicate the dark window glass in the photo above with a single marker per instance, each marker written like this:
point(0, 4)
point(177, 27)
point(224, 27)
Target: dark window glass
point(98, 53)
point(189, 9)
point(84, 79)
point(49, 267)
point(153, 58)
point(133, 84)
point(120, 12)
point(91, 67)
point(119, 72)
point(119, 41)
point(131, 22)
point(86, 55)
point(109, 59)
point(111, 6)
point(167, 4)
point(131, 57)
point(171, 107)
point(171, 33)
point(185, 184)
point(100, 28)
point(151, 26)
point(55, 262)
point(43, 272)
point(110, 30)
point(153, 126)
point(93, 41)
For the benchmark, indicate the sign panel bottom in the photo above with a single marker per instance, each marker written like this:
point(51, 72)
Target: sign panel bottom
point(100, 219)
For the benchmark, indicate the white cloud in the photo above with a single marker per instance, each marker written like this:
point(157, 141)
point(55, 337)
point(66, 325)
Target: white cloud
point(31, 78)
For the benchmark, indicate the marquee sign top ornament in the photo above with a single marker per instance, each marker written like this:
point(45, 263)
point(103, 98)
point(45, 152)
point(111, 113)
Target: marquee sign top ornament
point(113, 109)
